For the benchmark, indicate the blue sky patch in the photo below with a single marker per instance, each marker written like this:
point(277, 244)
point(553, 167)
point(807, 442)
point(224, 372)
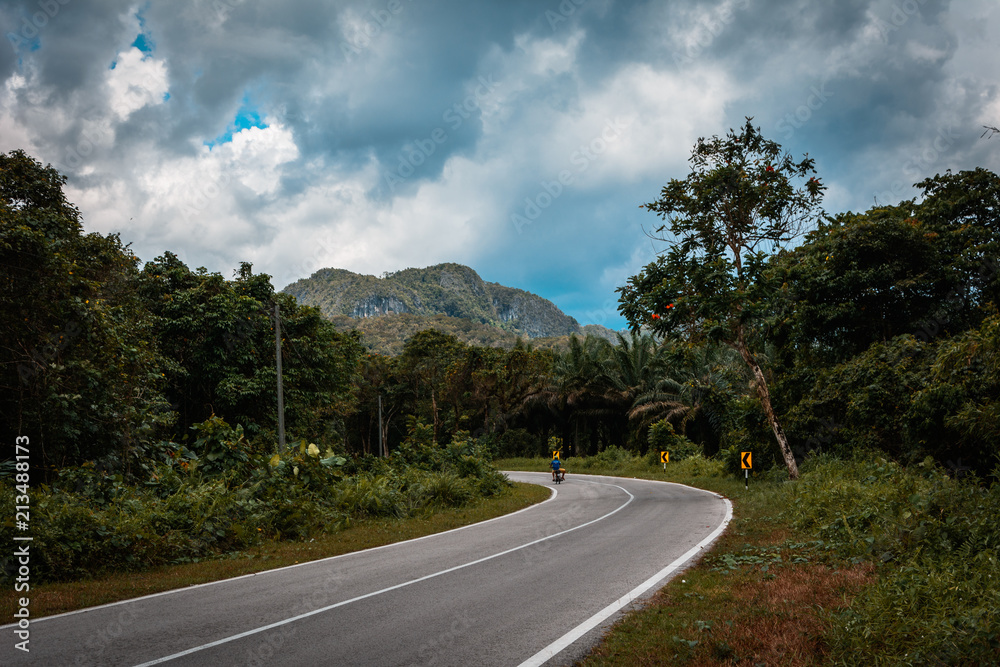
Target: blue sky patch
point(246, 118)
point(22, 44)
point(143, 43)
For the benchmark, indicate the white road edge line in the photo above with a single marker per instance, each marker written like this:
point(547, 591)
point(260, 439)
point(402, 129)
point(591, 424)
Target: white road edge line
point(279, 569)
point(558, 645)
point(278, 624)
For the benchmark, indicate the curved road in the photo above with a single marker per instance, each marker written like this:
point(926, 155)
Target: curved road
point(530, 588)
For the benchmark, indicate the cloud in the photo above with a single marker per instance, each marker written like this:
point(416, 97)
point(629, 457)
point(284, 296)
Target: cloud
point(373, 135)
point(135, 81)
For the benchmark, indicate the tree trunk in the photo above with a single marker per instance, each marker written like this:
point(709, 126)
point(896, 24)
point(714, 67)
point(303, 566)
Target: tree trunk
point(760, 384)
point(387, 417)
point(434, 414)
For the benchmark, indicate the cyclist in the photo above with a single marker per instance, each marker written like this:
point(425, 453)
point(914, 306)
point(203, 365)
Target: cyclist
point(556, 467)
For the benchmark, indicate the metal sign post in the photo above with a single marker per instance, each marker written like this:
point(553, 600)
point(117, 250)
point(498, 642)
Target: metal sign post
point(746, 460)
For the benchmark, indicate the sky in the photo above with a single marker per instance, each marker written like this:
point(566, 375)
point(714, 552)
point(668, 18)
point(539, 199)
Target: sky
point(519, 138)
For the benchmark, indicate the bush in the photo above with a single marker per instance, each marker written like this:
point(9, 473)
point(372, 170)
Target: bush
point(218, 498)
point(367, 496)
point(662, 438)
point(509, 444)
point(220, 447)
point(936, 601)
point(698, 466)
point(610, 458)
point(447, 489)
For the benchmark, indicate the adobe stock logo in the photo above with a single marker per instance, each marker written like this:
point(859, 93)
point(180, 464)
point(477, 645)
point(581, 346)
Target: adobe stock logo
point(31, 26)
point(708, 29)
point(416, 153)
point(581, 158)
point(817, 97)
point(379, 20)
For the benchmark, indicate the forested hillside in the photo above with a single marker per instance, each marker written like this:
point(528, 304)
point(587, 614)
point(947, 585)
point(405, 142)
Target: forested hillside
point(387, 334)
point(449, 290)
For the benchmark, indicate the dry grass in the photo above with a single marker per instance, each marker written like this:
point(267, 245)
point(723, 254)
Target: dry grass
point(779, 621)
point(51, 599)
point(761, 612)
point(709, 618)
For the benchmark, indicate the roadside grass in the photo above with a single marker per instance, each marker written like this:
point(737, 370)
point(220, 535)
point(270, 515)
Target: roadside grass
point(860, 562)
point(55, 598)
point(758, 598)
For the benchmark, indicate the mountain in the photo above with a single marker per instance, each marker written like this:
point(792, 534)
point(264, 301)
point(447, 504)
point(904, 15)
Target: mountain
point(450, 297)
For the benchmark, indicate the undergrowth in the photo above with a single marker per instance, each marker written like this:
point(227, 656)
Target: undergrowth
point(214, 499)
point(859, 562)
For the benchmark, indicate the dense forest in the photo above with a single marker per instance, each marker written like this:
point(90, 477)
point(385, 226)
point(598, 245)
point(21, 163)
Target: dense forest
point(863, 347)
point(879, 330)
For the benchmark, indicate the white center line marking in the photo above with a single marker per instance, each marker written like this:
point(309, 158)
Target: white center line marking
point(286, 621)
point(558, 645)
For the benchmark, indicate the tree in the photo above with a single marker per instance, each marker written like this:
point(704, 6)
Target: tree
point(868, 301)
point(739, 203)
point(633, 384)
point(80, 373)
point(219, 336)
point(427, 359)
point(857, 280)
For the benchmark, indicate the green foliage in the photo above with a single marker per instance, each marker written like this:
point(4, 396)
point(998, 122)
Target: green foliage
point(514, 442)
point(220, 336)
point(697, 466)
point(80, 372)
point(610, 458)
point(194, 507)
point(935, 600)
point(956, 415)
point(220, 448)
point(662, 438)
point(868, 397)
point(739, 197)
point(859, 279)
point(882, 328)
point(931, 612)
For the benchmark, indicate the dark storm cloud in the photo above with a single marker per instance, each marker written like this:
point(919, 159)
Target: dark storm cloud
point(405, 132)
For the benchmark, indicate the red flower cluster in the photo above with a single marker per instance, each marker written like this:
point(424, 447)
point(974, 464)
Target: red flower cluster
point(769, 168)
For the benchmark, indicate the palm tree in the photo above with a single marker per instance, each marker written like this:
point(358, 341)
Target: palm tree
point(709, 377)
point(637, 386)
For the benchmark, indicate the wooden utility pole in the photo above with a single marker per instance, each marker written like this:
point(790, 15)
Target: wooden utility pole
point(381, 446)
point(281, 396)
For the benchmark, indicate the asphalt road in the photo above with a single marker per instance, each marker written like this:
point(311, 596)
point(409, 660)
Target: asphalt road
point(534, 587)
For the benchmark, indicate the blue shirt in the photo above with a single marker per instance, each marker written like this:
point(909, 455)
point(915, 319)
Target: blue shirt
point(556, 464)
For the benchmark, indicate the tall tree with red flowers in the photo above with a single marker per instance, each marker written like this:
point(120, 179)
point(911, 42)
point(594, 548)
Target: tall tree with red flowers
point(744, 200)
